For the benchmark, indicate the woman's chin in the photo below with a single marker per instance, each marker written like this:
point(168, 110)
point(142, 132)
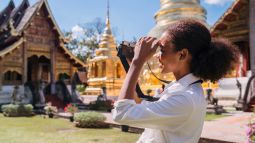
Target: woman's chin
point(163, 70)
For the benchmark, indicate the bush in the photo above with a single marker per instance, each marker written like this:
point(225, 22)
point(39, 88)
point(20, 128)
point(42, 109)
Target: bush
point(13, 110)
point(101, 105)
point(81, 88)
point(90, 120)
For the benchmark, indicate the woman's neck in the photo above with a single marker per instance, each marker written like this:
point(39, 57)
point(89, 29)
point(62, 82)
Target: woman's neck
point(179, 75)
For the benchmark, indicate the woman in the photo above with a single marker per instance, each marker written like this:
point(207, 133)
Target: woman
point(188, 51)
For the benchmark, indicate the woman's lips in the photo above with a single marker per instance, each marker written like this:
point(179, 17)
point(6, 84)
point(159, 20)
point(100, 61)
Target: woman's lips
point(161, 65)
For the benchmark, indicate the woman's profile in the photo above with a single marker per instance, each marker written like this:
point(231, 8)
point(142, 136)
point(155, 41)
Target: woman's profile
point(192, 55)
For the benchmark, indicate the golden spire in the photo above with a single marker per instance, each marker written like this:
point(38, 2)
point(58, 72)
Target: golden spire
point(173, 10)
point(107, 39)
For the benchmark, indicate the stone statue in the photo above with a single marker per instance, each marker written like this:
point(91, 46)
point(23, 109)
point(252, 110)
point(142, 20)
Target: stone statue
point(16, 97)
point(103, 96)
point(74, 81)
point(41, 94)
point(28, 94)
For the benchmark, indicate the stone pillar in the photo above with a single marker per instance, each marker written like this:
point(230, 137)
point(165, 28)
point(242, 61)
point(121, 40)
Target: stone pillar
point(1, 74)
point(52, 69)
point(24, 80)
point(252, 34)
point(39, 72)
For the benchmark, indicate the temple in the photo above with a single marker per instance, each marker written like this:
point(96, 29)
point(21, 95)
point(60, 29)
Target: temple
point(234, 25)
point(32, 50)
point(105, 69)
point(238, 25)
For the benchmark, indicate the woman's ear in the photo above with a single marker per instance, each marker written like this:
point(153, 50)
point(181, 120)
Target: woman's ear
point(183, 54)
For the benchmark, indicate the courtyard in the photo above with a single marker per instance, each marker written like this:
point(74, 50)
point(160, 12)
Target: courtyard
point(41, 129)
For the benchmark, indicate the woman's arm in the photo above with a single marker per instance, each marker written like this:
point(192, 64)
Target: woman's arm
point(129, 84)
point(164, 114)
point(144, 49)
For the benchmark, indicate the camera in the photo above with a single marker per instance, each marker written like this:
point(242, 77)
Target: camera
point(126, 49)
point(126, 54)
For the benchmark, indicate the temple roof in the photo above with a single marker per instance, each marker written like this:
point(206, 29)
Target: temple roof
point(230, 15)
point(6, 13)
point(13, 21)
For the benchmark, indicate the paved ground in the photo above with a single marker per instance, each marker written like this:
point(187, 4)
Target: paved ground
point(231, 128)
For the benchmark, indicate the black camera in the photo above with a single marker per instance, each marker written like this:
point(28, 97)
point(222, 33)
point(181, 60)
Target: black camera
point(126, 53)
point(126, 49)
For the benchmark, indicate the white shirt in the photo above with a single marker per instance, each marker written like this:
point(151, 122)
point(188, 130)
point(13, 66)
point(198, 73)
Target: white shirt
point(177, 117)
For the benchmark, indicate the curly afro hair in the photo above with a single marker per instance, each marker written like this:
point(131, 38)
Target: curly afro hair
point(211, 58)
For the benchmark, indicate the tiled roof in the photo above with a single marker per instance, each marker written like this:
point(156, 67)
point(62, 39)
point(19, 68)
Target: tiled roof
point(6, 13)
point(220, 22)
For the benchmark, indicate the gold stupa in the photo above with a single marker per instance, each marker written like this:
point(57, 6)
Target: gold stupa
point(105, 69)
point(173, 10)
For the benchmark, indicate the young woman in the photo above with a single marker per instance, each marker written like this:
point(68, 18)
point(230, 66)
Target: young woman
point(188, 51)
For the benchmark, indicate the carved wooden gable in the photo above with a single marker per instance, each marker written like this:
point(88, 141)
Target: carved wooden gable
point(40, 35)
point(13, 61)
point(234, 23)
point(63, 63)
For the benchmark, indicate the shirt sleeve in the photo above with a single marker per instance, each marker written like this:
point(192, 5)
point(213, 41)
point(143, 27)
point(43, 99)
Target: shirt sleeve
point(165, 114)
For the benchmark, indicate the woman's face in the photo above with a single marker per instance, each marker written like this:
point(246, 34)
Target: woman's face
point(168, 57)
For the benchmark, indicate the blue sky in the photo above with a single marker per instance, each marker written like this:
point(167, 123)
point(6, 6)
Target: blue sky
point(132, 18)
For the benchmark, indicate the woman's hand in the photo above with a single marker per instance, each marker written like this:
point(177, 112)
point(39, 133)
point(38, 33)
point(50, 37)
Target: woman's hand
point(145, 48)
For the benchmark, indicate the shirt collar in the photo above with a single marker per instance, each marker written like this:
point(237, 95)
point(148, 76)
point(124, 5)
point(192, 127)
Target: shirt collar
point(188, 79)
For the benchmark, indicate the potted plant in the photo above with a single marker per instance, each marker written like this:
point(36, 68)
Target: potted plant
point(50, 110)
point(71, 108)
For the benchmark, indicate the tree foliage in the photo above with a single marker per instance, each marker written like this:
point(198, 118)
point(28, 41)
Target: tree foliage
point(84, 40)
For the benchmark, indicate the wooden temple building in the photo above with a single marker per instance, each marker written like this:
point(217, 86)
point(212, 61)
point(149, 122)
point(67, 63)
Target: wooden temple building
point(238, 25)
point(105, 69)
point(32, 48)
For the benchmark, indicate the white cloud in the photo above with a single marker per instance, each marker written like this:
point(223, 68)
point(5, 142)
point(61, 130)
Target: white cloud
point(218, 2)
point(82, 50)
point(77, 31)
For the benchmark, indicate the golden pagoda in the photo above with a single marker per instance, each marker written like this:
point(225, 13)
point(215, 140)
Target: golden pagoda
point(173, 10)
point(170, 11)
point(105, 69)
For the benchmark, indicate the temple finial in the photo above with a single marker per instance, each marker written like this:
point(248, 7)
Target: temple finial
point(107, 39)
point(108, 9)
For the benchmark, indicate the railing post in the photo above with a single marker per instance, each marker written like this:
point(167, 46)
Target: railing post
point(252, 34)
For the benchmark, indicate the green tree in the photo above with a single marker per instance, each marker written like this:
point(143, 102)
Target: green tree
point(85, 44)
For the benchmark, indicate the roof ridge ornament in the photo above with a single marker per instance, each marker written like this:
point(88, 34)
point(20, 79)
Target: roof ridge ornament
point(12, 29)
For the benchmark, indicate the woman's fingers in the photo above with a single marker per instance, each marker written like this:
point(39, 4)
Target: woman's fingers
point(155, 45)
point(145, 48)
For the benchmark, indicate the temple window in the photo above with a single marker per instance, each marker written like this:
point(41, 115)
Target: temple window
point(12, 77)
point(118, 70)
